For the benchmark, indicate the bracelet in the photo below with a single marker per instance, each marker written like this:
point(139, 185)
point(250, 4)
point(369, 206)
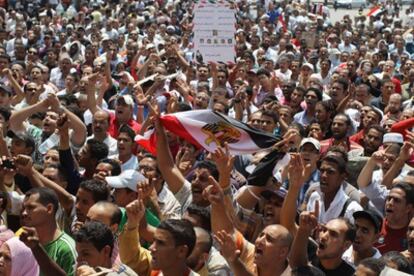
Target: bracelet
point(227, 191)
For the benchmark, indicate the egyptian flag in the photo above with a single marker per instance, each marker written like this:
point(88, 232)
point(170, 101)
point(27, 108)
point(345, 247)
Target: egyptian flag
point(376, 11)
point(269, 166)
point(208, 129)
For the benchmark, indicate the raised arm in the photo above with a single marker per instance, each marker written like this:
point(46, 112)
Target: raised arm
point(229, 251)
point(169, 170)
point(307, 222)
point(18, 117)
point(130, 250)
point(365, 176)
point(25, 166)
point(19, 96)
point(47, 266)
point(396, 167)
point(4, 149)
point(79, 133)
point(297, 173)
point(90, 91)
point(109, 55)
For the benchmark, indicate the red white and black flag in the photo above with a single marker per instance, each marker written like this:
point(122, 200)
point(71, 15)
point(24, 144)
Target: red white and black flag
point(208, 129)
point(376, 11)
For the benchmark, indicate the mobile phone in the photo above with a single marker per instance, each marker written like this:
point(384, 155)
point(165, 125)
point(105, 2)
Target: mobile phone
point(8, 164)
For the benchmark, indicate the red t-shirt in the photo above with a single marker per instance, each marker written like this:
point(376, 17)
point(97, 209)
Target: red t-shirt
point(114, 125)
point(392, 239)
point(358, 137)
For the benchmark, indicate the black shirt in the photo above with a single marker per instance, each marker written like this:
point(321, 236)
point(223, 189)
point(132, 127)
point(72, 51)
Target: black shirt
point(344, 269)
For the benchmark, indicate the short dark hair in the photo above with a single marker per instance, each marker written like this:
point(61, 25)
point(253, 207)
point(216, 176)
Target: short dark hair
point(376, 265)
point(351, 231)
point(343, 82)
point(335, 159)
point(5, 56)
point(316, 91)
point(97, 188)
point(348, 119)
point(97, 233)
point(378, 128)
point(5, 112)
point(263, 71)
point(98, 150)
point(210, 166)
point(182, 232)
point(397, 258)
point(408, 190)
point(129, 131)
point(300, 89)
point(338, 150)
point(202, 213)
point(116, 168)
point(271, 114)
point(46, 196)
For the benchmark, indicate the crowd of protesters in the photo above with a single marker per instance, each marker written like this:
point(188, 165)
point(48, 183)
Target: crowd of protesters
point(79, 196)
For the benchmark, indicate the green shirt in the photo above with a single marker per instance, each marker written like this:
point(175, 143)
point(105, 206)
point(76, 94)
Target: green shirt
point(63, 252)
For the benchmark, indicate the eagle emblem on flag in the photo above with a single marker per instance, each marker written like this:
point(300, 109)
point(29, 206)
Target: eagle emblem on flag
point(220, 133)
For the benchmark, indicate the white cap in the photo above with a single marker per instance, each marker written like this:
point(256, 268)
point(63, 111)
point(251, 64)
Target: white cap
point(127, 179)
point(127, 99)
point(170, 28)
point(393, 137)
point(307, 64)
point(310, 140)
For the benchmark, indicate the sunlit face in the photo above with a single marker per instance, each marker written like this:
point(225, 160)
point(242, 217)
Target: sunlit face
point(5, 260)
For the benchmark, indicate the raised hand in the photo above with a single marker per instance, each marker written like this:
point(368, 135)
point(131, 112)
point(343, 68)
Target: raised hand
point(298, 172)
point(135, 211)
point(309, 220)
point(224, 160)
point(228, 248)
point(288, 138)
point(378, 156)
point(62, 123)
point(24, 164)
point(29, 237)
point(146, 188)
point(214, 193)
point(184, 160)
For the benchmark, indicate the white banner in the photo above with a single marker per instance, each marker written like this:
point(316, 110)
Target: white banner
point(214, 29)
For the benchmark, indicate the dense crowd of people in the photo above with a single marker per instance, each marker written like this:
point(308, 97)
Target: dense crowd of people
point(80, 195)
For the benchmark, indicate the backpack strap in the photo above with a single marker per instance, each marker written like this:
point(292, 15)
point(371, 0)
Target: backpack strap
point(347, 202)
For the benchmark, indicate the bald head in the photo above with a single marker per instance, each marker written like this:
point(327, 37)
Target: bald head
point(100, 124)
point(282, 234)
point(107, 213)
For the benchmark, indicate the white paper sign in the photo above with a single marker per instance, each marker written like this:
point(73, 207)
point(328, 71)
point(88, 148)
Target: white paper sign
point(214, 28)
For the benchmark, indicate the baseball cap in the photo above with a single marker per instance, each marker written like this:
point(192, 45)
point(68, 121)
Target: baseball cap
point(125, 99)
point(372, 216)
point(268, 194)
point(310, 140)
point(127, 179)
point(27, 139)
